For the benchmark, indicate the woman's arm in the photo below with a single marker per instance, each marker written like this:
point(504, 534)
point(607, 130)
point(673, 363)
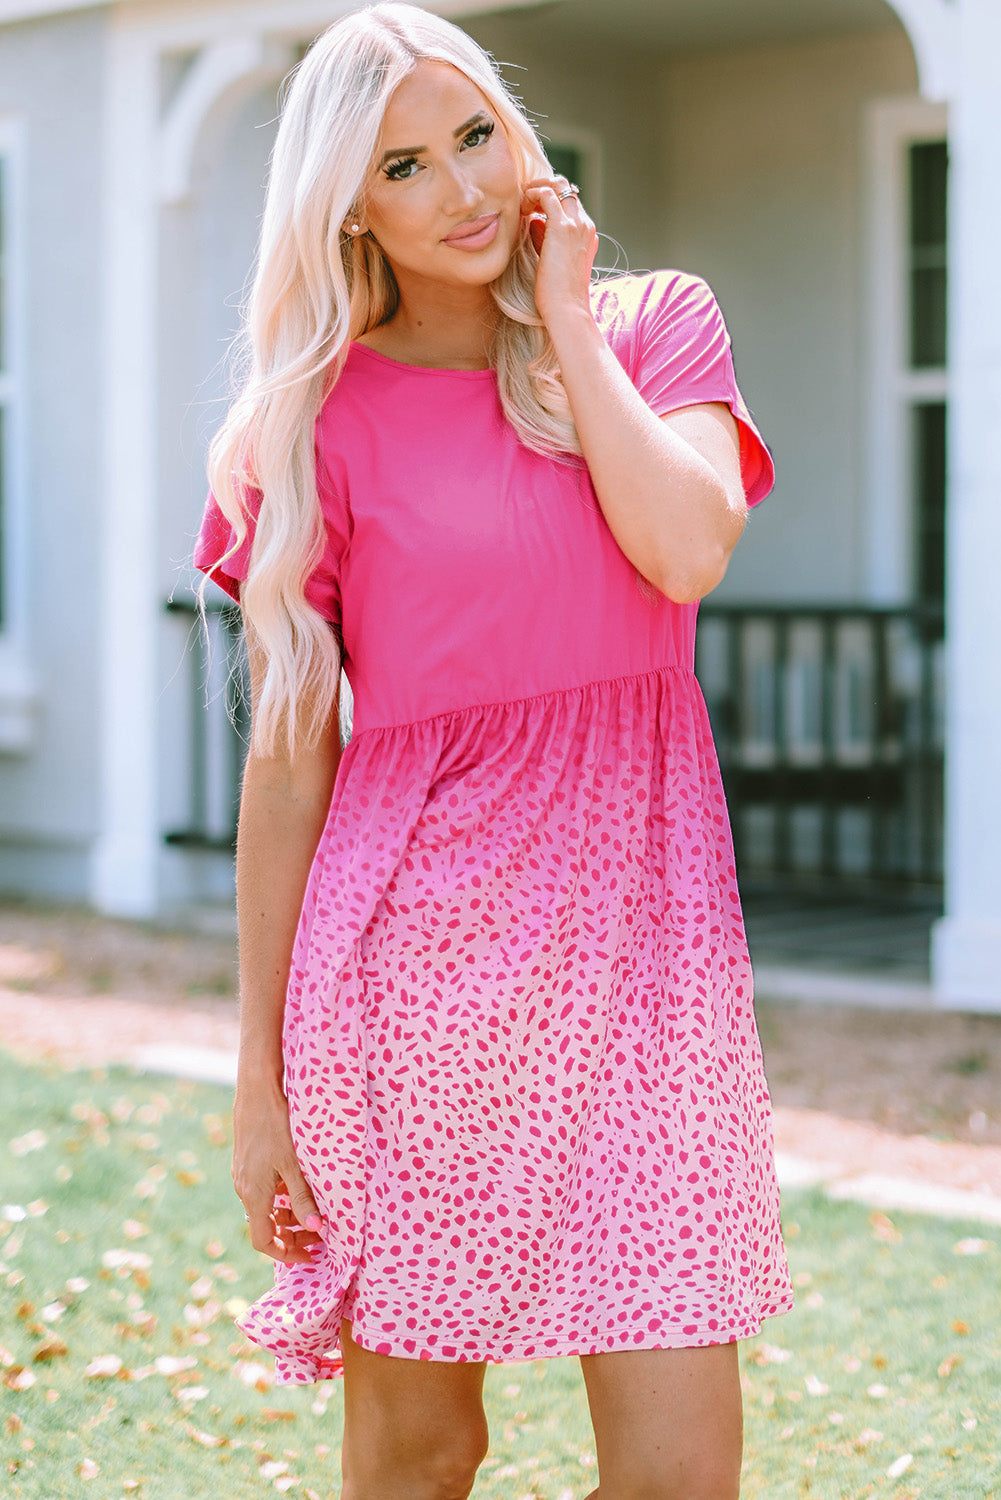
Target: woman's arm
point(670, 488)
point(283, 808)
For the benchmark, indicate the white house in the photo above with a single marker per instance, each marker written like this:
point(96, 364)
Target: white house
point(832, 167)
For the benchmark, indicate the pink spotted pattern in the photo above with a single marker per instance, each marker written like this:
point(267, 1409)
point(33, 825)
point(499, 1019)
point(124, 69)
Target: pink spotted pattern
point(522, 1067)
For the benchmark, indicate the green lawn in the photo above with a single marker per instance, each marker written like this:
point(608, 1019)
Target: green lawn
point(123, 1254)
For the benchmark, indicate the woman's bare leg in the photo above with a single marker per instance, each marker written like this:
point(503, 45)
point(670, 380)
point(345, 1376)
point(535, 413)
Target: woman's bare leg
point(668, 1423)
point(414, 1429)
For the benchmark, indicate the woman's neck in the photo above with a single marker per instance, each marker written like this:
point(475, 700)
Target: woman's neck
point(445, 332)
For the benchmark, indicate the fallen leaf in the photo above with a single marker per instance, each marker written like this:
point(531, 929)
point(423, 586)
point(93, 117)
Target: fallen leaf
point(214, 1249)
point(88, 1469)
point(173, 1364)
point(50, 1348)
point(206, 1439)
point(193, 1393)
point(125, 1260)
point(900, 1466)
point(273, 1468)
point(771, 1354)
point(201, 1317)
point(274, 1414)
point(189, 1176)
point(19, 1379)
point(13, 1424)
point(884, 1229)
point(13, 1213)
point(877, 1391)
point(815, 1386)
point(103, 1367)
point(958, 1326)
point(134, 1229)
point(215, 1129)
point(76, 1285)
point(972, 1246)
point(34, 1140)
point(52, 1312)
point(948, 1365)
point(251, 1372)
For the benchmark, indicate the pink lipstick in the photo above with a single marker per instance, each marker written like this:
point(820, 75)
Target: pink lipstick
point(475, 234)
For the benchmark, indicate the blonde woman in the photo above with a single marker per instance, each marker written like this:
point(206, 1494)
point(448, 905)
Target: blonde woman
point(500, 1091)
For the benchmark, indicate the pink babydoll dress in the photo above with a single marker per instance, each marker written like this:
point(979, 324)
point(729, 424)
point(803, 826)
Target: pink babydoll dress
point(521, 1062)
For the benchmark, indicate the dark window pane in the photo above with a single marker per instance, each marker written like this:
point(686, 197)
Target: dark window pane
point(929, 175)
point(565, 160)
point(929, 450)
point(928, 319)
point(929, 166)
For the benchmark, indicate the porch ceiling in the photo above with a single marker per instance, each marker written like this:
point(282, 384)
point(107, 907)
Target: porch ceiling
point(672, 25)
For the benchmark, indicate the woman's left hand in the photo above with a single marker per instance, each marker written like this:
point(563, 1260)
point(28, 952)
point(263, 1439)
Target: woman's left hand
point(563, 280)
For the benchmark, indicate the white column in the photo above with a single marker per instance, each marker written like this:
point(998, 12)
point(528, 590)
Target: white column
point(966, 946)
point(126, 853)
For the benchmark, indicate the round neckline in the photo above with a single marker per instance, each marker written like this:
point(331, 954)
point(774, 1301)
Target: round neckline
point(400, 364)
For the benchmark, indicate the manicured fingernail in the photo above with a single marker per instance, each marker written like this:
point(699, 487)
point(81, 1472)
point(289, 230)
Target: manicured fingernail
point(315, 1223)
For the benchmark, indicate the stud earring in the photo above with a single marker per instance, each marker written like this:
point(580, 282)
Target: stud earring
point(355, 228)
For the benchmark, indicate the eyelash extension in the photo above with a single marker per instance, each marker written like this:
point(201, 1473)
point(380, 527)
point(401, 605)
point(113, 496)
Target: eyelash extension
point(485, 128)
point(393, 167)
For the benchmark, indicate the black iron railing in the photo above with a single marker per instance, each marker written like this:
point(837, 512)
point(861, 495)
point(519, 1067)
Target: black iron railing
point(218, 725)
point(828, 722)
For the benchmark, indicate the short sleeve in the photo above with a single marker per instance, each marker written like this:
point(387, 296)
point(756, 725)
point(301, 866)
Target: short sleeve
point(228, 569)
point(669, 333)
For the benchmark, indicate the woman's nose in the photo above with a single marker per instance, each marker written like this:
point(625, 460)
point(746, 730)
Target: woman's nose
point(464, 192)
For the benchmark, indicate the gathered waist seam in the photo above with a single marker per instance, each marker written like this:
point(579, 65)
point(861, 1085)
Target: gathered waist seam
point(563, 692)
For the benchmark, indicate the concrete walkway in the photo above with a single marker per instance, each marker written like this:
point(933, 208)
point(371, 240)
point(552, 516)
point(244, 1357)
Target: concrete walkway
point(876, 1189)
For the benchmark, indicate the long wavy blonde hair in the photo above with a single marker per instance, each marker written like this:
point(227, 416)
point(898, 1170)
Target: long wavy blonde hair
point(316, 287)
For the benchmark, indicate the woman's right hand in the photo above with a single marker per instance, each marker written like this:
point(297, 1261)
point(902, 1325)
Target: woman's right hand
point(265, 1164)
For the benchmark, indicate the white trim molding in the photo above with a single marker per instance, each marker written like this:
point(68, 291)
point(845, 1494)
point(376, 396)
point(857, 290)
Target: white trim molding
point(19, 699)
point(890, 387)
point(966, 944)
point(124, 870)
point(933, 27)
point(236, 64)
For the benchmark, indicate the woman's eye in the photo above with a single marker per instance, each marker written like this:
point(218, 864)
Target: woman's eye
point(400, 171)
point(479, 134)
